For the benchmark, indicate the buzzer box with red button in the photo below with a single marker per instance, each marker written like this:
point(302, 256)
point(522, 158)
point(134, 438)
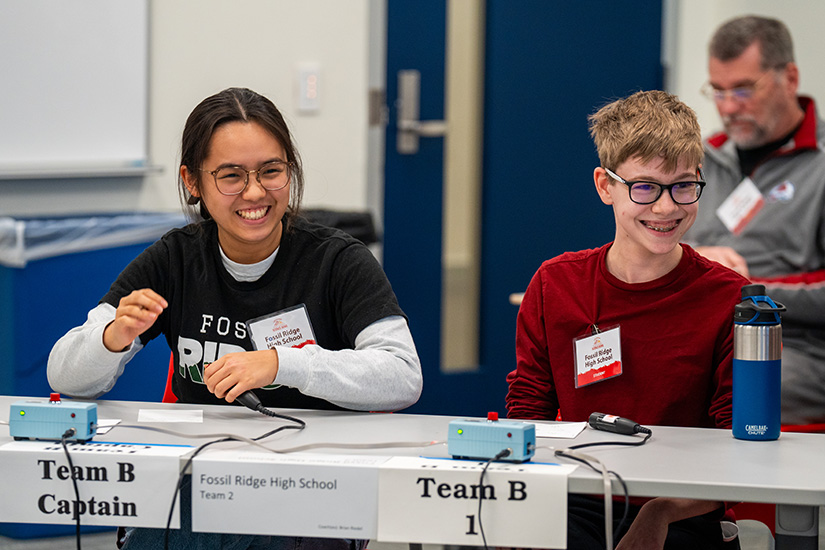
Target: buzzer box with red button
point(52, 419)
point(486, 439)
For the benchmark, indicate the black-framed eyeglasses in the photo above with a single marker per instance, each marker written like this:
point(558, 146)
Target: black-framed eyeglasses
point(232, 180)
point(740, 94)
point(648, 192)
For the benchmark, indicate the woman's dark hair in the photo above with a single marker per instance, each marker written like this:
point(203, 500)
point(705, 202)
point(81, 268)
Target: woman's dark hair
point(234, 105)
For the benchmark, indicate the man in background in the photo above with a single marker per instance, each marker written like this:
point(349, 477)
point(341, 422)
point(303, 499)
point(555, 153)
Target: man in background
point(763, 211)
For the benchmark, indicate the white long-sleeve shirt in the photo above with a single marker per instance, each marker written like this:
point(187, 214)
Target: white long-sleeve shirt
point(383, 372)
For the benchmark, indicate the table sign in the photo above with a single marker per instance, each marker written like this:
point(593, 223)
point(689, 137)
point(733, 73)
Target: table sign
point(120, 484)
point(435, 501)
point(303, 494)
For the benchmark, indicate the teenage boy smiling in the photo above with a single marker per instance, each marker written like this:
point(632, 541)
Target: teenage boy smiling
point(664, 313)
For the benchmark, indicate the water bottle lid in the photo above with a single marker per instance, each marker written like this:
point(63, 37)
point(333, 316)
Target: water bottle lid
point(756, 308)
point(753, 290)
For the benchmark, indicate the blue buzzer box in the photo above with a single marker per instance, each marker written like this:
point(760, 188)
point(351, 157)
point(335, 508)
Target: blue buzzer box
point(485, 439)
point(49, 420)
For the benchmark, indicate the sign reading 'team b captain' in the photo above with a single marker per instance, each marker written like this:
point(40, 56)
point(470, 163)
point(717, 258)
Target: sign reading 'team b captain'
point(128, 485)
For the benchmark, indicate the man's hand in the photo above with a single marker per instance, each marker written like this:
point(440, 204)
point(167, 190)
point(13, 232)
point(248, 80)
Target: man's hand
point(135, 314)
point(234, 373)
point(726, 256)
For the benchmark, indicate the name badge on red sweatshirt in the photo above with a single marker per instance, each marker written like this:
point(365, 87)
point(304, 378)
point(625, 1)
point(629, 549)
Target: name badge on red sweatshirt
point(598, 357)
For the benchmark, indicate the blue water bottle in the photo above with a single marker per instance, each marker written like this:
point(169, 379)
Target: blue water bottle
point(757, 366)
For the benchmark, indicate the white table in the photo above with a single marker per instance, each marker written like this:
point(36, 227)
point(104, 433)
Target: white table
point(676, 462)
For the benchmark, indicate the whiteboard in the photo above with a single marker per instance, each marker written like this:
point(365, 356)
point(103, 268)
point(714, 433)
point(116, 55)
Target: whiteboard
point(74, 83)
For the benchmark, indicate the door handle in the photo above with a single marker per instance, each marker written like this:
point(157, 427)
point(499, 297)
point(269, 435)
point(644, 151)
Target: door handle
point(409, 127)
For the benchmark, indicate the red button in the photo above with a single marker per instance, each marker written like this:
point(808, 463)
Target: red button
point(54, 398)
point(492, 416)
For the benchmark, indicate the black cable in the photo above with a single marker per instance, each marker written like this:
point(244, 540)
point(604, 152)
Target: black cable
point(501, 454)
point(67, 434)
point(648, 434)
point(621, 481)
point(640, 429)
point(626, 501)
point(181, 477)
point(263, 410)
point(300, 425)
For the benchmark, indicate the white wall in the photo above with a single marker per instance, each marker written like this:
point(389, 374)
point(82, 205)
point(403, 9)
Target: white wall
point(199, 47)
point(692, 22)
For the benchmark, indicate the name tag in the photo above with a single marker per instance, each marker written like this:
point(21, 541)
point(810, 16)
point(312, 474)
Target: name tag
point(598, 357)
point(741, 206)
point(289, 328)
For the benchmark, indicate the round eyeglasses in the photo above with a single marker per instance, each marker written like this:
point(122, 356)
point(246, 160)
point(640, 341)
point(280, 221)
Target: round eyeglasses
point(648, 192)
point(232, 180)
point(740, 94)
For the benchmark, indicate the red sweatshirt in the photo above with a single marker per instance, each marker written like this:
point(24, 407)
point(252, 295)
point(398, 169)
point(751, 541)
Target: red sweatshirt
point(676, 342)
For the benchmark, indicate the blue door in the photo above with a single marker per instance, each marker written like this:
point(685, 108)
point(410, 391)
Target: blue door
point(548, 66)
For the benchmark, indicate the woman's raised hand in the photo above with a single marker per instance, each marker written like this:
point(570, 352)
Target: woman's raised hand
point(135, 313)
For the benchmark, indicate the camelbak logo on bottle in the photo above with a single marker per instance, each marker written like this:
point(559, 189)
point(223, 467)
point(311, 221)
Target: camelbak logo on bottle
point(756, 429)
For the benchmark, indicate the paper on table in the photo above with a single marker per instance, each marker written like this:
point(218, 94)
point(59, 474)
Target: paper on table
point(560, 430)
point(167, 415)
point(106, 424)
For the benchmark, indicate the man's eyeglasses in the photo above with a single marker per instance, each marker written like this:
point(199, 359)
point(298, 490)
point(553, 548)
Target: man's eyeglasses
point(740, 94)
point(232, 180)
point(648, 192)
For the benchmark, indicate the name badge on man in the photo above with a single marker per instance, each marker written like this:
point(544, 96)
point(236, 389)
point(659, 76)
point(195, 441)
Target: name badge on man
point(598, 357)
point(741, 206)
point(289, 328)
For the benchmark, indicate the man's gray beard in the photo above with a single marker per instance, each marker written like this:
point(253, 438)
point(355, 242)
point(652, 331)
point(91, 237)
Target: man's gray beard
point(755, 138)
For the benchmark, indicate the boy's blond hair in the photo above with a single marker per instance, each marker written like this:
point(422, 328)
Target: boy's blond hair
point(647, 125)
